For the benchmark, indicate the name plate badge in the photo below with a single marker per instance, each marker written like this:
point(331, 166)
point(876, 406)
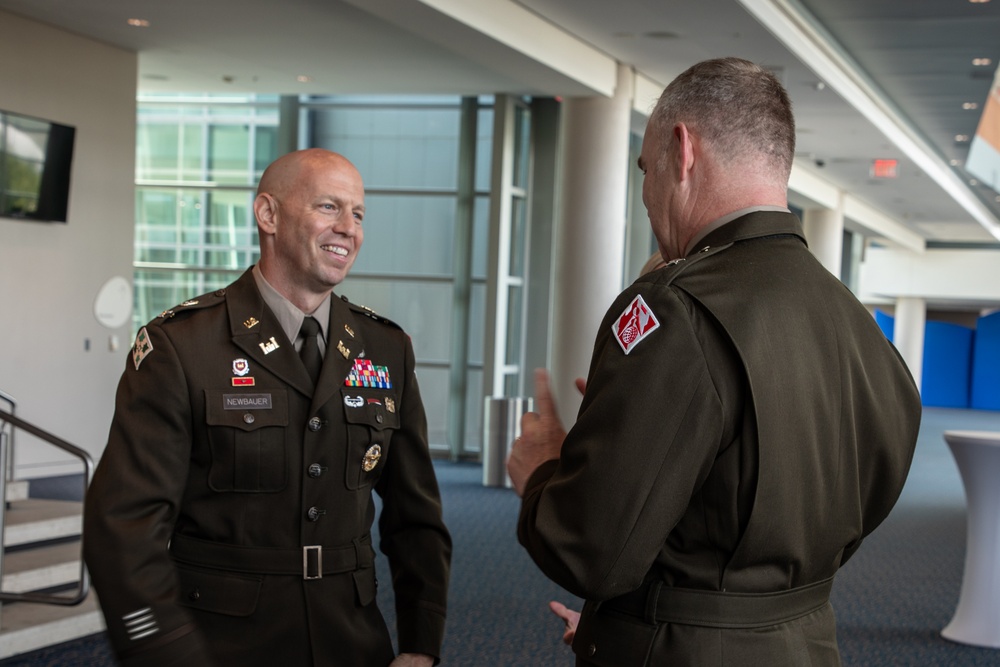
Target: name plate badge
point(246, 401)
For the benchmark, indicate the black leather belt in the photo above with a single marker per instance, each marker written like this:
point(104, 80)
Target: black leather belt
point(717, 609)
point(312, 561)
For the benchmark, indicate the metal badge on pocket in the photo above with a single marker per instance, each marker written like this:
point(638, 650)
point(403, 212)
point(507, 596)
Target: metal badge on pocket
point(372, 456)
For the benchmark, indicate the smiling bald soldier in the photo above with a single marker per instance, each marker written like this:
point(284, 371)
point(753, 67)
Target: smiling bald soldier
point(228, 521)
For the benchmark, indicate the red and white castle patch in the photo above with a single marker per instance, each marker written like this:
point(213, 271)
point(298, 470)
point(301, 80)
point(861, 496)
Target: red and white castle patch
point(634, 324)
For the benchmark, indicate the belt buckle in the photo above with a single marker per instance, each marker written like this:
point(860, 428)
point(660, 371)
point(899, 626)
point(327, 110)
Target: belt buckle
point(312, 562)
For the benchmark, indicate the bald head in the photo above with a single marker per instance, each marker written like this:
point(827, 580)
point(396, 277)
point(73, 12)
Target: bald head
point(309, 207)
point(283, 173)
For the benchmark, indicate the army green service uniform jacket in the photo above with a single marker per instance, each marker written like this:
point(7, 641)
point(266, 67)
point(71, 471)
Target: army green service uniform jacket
point(228, 521)
point(745, 425)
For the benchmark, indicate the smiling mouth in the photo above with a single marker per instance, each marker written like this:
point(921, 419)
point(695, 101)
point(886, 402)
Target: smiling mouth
point(336, 250)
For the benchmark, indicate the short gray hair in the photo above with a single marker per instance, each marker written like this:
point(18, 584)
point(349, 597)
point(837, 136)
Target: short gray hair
point(739, 107)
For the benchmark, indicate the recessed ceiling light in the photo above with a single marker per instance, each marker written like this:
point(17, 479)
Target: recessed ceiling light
point(302, 78)
point(138, 23)
point(982, 62)
point(973, 181)
point(979, 2)
point(954, 163)
point(968, 106)
point(660, 34)
point(961, 138)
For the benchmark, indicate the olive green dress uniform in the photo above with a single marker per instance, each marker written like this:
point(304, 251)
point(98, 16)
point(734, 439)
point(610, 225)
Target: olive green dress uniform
point(723, 469)
point(262, 488)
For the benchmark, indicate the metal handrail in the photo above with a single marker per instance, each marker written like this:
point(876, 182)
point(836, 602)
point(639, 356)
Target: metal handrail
point(83, 587)
point(8, 469)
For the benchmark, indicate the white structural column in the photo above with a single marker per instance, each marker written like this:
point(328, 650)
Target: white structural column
point(589, 246)
point(908, 333)
point(824, 229)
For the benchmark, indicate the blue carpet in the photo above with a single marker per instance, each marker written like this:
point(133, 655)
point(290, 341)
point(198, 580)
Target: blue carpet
point(891, 599)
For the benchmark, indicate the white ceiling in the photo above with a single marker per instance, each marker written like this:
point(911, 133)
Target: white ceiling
point(918, 53)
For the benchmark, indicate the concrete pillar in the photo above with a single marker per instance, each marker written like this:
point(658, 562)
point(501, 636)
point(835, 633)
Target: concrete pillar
point(589, 248)
point(824, 230)
point(908, 333)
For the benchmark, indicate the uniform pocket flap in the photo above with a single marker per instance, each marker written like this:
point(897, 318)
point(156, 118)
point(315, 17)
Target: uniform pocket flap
point(245, 410)
point(612, 640)
point(219, 592)
point(371, 407)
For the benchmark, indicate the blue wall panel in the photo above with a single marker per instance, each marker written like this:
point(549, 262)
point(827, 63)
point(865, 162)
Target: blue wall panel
point(887, 323)
point(986, 364)
point(947, 365)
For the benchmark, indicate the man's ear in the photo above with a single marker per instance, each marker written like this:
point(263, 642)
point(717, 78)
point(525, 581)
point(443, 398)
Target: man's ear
point(265, 208)
point(685, 150)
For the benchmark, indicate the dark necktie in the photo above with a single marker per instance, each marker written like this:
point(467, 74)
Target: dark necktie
point(309, 352)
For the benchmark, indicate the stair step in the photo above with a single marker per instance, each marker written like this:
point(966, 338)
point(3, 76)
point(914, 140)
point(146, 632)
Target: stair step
point(28, 626)
point(36, 520)
point(41, 567)
point(17, 490)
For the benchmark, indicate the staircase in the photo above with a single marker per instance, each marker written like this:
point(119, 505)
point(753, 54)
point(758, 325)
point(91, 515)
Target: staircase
point(40, 556)
point(42, 553)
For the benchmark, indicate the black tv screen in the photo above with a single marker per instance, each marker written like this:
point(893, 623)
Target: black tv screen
point(35, 160)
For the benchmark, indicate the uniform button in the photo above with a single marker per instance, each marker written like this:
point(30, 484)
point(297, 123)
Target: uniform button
point(315, 424)
point(314, 513)
point(194, 595)
point(591, 650)
point(220, 292)
point(248, 418)
point(315, 470)
point(378, 418)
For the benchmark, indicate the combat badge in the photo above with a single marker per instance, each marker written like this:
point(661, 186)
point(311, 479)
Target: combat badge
point(143, 346)
point(634, 324)
point(372, 456)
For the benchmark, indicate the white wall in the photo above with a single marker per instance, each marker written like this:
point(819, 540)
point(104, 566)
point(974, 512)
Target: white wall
point(50, 273)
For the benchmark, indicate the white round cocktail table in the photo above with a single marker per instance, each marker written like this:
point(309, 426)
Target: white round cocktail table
point(977, 616)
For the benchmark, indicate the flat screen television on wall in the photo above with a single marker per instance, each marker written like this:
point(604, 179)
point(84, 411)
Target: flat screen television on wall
point(35, 160)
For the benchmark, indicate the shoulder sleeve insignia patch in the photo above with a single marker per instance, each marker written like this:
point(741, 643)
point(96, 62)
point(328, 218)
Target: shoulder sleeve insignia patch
point(143, 346)
point(634, 324)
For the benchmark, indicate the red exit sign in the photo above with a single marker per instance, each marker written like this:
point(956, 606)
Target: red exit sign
point(884, 168)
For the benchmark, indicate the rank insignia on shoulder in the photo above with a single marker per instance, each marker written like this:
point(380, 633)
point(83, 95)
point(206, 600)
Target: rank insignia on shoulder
point(634, 324)
point(143, 346)
point(189, 302)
